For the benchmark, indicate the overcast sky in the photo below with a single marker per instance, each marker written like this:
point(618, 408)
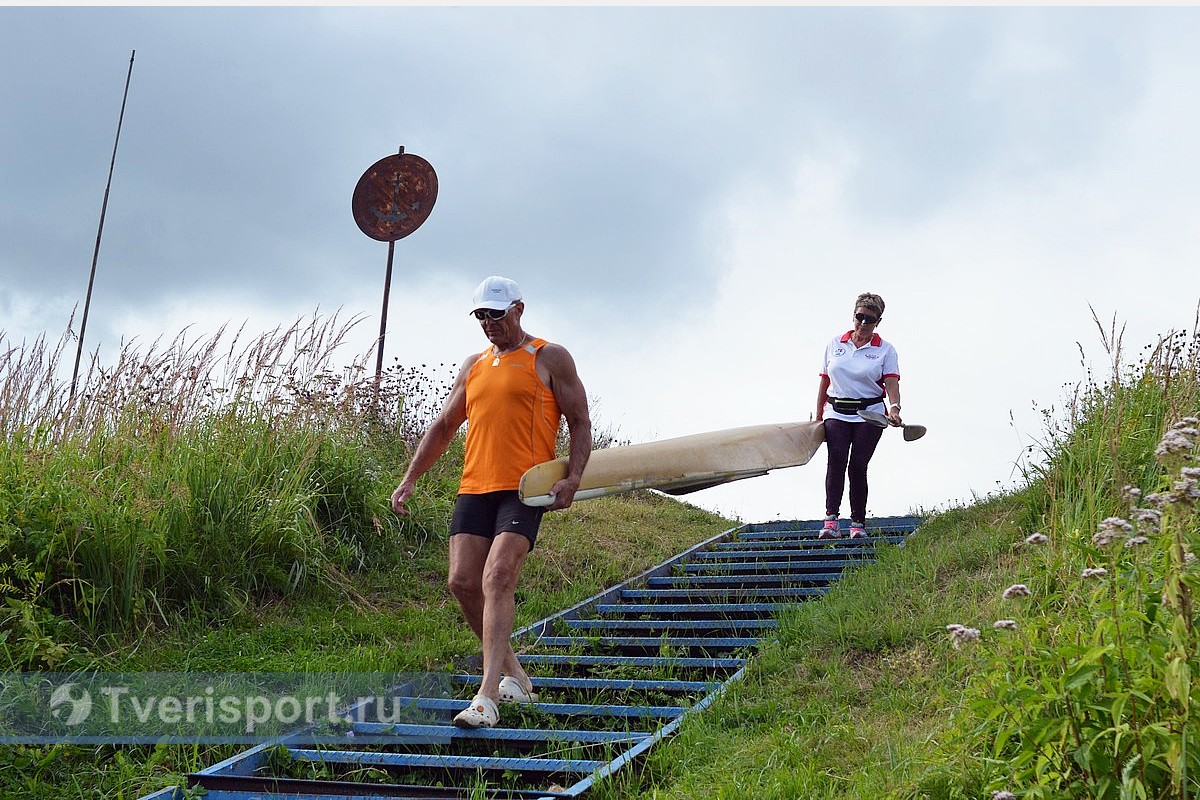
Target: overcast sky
point(691, 198)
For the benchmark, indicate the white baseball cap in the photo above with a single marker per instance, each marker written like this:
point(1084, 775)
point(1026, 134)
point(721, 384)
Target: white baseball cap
point(495, 293)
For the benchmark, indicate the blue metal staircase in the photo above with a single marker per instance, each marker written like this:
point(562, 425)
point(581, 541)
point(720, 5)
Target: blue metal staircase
point(625, 668)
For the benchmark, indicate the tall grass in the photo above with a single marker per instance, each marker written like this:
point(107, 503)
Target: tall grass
point(194, 476)
point(1086, 688)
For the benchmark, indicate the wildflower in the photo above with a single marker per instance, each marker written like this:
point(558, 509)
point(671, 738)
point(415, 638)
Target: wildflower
point(960, 634)
point(1036, 538)
point(1159, 500)
point(1005, 624)
point(1017, 590)
point(1189, 558)
point(1187, 489)
point(1003, 794)
point(1176, 441)
point(1131, 493)
point(1110, 530)
point(1095, 572)
point(1147, 519)
point(1134, 541)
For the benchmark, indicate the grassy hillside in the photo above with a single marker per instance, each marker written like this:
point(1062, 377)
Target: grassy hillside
point(397, 617)
point(1039, 644)
point(161, 522)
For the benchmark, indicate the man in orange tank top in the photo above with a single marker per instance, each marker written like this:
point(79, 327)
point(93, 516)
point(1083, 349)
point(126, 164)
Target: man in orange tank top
point(512, 397)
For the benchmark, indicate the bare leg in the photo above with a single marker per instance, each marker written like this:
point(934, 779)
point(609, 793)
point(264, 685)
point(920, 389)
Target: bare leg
point(483, 578)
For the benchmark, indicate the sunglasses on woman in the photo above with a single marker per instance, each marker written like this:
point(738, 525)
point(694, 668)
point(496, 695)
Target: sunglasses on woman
point(865, 319)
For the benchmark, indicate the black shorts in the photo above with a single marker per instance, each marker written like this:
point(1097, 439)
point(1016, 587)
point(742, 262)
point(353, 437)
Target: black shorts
point(493, 513)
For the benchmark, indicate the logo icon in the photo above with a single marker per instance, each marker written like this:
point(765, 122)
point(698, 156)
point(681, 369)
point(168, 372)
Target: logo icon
point(69, 708)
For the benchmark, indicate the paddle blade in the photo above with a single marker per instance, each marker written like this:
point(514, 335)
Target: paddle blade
point(913, 432)
point(875, 418)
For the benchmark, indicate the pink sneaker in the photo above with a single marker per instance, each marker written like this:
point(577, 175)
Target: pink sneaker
point(857, 530)
point(830, 529)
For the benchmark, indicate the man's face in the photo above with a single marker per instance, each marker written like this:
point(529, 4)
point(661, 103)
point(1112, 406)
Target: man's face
point(500, 327)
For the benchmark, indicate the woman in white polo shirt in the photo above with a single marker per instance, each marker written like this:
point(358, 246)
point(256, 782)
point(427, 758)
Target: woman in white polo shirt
point(860, 371)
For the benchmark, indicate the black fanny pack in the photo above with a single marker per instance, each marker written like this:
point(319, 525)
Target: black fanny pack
point(852, 405)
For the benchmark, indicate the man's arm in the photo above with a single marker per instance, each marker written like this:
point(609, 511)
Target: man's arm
point(563, 379)
point(436, 439)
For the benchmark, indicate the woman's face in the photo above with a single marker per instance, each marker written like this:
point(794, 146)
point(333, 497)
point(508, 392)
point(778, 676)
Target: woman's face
point(865, 321)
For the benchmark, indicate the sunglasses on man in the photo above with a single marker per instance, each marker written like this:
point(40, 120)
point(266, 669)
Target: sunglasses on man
point(493, 314)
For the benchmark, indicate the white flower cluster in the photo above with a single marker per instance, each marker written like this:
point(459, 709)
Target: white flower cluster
point(1017, 590)
point(1187, 488)
point(1180, 439)
point(1112, 529)
point(1148, 519)
point(960, 634)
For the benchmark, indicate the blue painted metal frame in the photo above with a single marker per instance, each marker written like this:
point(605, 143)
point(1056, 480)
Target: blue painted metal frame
point(710, 606)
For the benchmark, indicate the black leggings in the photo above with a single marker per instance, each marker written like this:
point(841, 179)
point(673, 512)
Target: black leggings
point(850, 444)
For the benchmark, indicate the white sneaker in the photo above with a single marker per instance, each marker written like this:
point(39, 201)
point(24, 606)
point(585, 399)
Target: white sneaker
point(482, 713)
point(511, 691)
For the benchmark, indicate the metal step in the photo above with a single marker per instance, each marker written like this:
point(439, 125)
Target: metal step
point(778, 579)
point(615, 674)
point(692, 610)
point(691, 625)
point(609, 684)
point(784, 593)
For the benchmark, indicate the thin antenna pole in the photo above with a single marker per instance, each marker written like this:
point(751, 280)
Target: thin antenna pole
point(100, 231)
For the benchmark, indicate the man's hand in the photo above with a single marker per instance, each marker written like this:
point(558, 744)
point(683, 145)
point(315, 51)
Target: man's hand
point(400, 499)
point(563, 493)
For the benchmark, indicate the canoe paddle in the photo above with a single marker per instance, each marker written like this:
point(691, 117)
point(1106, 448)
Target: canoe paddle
point(911, 432)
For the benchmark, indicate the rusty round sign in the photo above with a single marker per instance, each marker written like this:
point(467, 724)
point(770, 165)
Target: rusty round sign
point(394, 196)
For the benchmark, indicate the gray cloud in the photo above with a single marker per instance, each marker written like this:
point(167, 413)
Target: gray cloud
point(591, 144)
point(628, 164)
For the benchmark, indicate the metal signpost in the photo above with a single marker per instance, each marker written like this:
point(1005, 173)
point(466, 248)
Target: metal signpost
point(392, 198)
